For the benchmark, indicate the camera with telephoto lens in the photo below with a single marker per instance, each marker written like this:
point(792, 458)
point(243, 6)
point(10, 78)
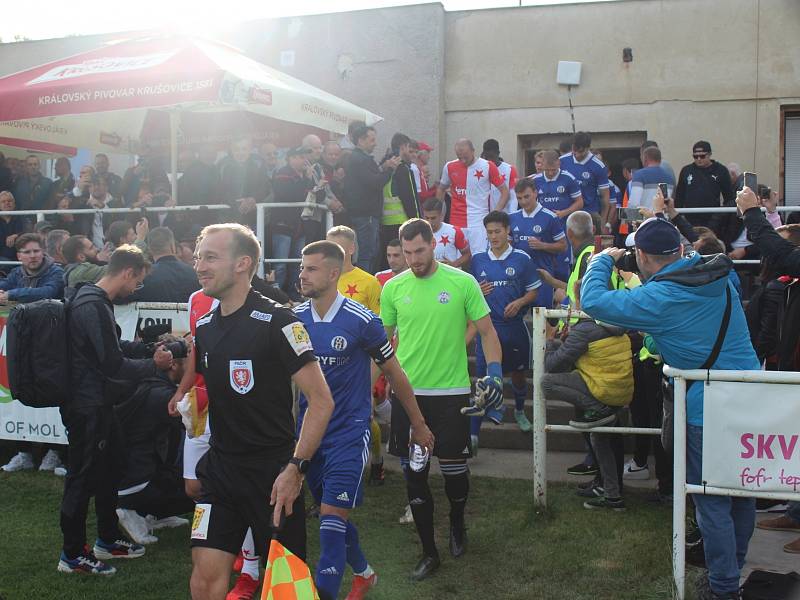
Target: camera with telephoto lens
point(627, 262)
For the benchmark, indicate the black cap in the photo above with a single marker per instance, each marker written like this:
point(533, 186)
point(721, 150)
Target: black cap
point(299, 151)
point(701, 146)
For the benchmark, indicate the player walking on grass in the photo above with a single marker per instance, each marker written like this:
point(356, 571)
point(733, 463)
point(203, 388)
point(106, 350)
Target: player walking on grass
point(430, 305)
point(346, 336)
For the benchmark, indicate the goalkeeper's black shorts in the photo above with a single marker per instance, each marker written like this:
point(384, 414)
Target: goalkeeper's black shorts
point(444, 418)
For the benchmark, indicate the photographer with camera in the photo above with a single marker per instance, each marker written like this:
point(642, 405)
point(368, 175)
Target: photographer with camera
point(98, 360)
point(151, 482)
point(686, 305)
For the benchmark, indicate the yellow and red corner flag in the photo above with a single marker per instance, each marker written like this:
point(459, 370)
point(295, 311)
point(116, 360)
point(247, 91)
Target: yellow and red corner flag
point(287, 577)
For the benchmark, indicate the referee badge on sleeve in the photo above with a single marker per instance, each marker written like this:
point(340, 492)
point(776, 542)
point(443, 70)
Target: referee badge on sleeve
point(297, 336)
point(242, 379)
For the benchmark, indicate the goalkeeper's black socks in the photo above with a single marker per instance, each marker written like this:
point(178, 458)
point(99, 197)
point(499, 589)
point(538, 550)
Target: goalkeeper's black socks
point(421, 501)
point(456, 486)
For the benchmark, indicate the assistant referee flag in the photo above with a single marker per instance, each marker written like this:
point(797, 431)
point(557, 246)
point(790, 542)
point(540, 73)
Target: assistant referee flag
point(287, 577)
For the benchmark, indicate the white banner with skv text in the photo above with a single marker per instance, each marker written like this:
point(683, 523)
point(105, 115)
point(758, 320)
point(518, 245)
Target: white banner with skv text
point(751, 436)
point(20, 422)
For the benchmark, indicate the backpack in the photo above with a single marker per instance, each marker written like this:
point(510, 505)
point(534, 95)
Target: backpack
point(37, 353)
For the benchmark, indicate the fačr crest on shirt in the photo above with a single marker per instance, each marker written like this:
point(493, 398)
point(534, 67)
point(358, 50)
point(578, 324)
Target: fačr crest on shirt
point(241, 376)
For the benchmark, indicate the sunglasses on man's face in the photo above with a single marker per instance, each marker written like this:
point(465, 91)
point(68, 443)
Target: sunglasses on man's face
point(700, 155)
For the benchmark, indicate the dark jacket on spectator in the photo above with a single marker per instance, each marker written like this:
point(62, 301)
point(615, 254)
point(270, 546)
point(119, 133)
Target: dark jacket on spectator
point(14, 226)
point(288, 187)
point(782, 255)
point(150, 435)
point(363, 185)
point(6, 180)
point(199, 184)
point(701, 188)
point(762, 316)
point(132, 182)
point(170, 280)
point(405, 187)
point(98, 358)
point(33, 195)
point(47, 282)
point(242, 180)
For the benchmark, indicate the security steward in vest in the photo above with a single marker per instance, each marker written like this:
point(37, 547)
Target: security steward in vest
point(249, 349)
point(400, 201)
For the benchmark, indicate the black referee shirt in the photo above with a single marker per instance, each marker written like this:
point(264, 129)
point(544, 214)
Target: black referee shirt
point(247, 359)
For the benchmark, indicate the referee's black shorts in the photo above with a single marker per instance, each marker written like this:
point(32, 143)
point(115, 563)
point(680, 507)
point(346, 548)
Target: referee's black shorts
point(444, 419)
point(236, 495)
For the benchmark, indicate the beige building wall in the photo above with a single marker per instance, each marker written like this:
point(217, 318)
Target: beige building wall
point(702, 69)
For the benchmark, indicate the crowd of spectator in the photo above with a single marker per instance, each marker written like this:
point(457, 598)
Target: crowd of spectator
point(553, 217)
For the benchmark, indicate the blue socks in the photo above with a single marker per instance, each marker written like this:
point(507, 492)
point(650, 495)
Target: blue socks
point(333, 553)
point(338, 541)
point(519, 396)
point(355, 557)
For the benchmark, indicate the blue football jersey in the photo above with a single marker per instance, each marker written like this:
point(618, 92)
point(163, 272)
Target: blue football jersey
point(592, 176)
point(542, 224)
point(558, 193)
point(345, 341)
point(513, 275)
point(614, 194)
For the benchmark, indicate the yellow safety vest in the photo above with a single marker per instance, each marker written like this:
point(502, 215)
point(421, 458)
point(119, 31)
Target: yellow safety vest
point(393, 212)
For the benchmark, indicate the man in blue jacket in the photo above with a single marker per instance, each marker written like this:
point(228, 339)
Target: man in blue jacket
point(38, 276)
point(681, 305)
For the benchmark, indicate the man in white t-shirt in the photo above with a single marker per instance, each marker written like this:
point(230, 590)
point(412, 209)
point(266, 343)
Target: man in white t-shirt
point(452, 247)
point(469, 180)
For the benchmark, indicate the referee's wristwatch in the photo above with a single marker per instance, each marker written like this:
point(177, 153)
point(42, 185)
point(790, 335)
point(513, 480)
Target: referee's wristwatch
point(302, 464)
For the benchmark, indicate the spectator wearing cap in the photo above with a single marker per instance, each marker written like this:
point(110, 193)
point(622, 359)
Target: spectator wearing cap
point(681, 304)
point(243, 183)
point(291, 184)
point(169, 280)
point(10, 227)
point(702, 183)
point(38, 276)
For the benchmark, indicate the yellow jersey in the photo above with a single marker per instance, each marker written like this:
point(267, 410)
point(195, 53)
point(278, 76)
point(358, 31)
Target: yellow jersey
point(361, 287)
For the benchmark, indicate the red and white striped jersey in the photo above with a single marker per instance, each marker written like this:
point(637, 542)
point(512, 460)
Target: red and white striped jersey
point(470, 190)
point(450, 241)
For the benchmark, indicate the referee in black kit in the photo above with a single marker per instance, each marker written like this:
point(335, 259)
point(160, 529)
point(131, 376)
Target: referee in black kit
point(249, 349)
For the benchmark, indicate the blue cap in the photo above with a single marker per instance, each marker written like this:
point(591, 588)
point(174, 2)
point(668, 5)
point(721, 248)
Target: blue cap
point(657, 236)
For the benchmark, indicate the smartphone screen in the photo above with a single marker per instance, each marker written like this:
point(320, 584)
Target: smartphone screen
point(664, 190)
point(751, 181)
